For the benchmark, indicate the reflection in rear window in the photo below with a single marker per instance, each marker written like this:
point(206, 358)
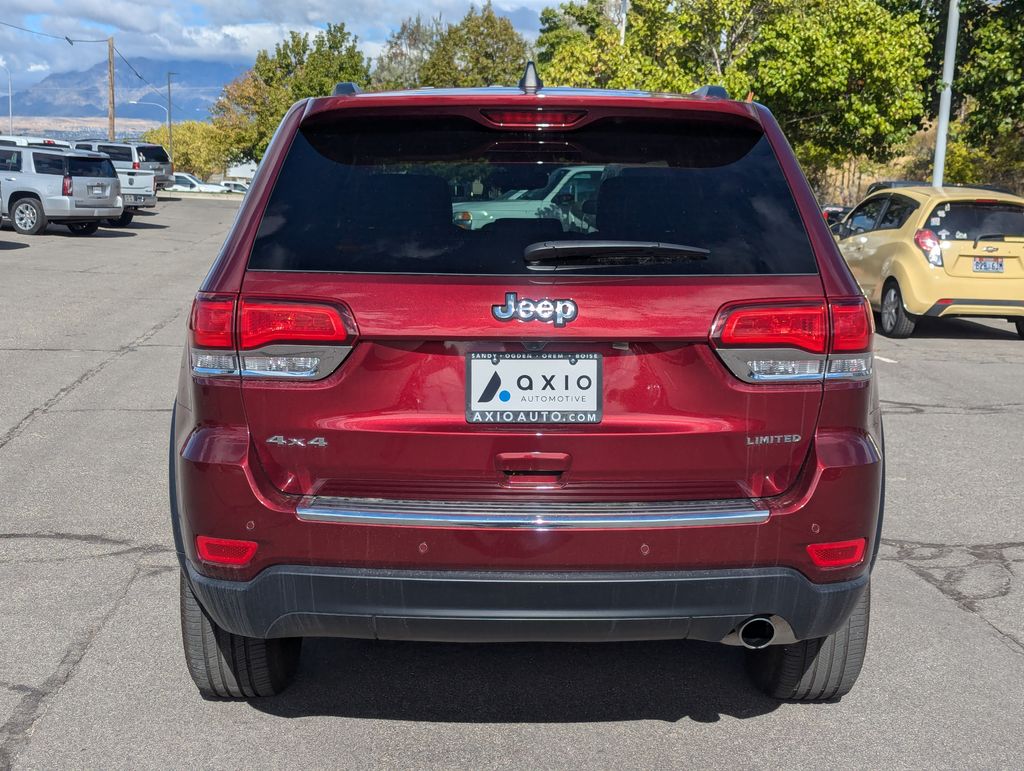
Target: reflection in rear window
point(968, 220)
point(447, 195)
point(91, 167)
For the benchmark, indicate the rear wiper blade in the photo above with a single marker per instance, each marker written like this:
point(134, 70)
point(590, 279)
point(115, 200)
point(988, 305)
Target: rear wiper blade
point(582, 254)
point(989, 237)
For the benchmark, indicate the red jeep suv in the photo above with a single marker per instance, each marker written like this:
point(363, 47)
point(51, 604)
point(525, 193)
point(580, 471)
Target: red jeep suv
point(519, 364)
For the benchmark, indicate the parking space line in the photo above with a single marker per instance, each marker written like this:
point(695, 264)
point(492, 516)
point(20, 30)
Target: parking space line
point(888, 361)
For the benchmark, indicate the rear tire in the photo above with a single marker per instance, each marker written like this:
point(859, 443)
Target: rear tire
point(821, 669)
point(230, 666)
point(894, 319)
point(27, 216)
point(120, 222)
point(1019, 323)
point(83, 228)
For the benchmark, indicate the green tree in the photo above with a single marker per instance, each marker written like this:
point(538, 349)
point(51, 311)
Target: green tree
point(844, 78)
point(200, 148)
point(405, 52)
point(251, 107)
point(994, 75)
point(481, 50)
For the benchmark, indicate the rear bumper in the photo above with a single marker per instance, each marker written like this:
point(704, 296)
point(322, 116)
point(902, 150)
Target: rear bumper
point(958, 306)
point(479, 606)
point(923, 287)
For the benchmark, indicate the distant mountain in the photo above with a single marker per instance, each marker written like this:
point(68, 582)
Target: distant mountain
point(194, 88)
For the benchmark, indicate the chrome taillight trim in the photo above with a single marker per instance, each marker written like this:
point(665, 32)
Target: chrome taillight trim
point(329, 358)
point(530, 515)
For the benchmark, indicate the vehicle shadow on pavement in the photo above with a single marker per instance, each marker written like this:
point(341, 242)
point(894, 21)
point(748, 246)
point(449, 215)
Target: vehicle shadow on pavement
point(11, 245)
point(146, 226)
point(101, 233)
point(519, 683)
point(962, 329)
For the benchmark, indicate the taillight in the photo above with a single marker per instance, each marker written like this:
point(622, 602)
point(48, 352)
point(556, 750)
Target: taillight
point(68, 186)
point(796, 342)
point(837, 554)
point(136, 165)
point(539, 118)
point(268, 339)
point(796, 326)
point(260, 323)
point(229, 552)
point(930, 246)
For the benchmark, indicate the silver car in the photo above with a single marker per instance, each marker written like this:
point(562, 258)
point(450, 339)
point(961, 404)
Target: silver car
point(71, 187)
point(134, 155)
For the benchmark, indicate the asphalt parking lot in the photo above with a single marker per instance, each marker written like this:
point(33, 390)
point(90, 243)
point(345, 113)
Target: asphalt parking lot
point(91, 668)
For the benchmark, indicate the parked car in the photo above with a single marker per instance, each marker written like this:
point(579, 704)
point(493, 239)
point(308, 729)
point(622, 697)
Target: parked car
point(235, 187)
point(188, 183)
point(561, 197)
point(75, 188)
point(134, 155)
point(10, 140)
point(388, 426)
point(138, 191)
point(834, 214)
point(926, 252)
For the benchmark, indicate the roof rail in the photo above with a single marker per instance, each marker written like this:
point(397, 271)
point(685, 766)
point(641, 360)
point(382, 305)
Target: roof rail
point(530, 83)
point(346, 88)
point(715, 92)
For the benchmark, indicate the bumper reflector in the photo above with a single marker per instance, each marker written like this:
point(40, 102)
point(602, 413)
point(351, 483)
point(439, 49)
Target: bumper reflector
point(837, 554)
point(225, 551)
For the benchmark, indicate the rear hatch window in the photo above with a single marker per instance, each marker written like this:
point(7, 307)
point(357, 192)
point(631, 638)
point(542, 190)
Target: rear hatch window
point(152, 154)
point(117, 152)
point(452, 196)
point(91, 167)
point(970, 220)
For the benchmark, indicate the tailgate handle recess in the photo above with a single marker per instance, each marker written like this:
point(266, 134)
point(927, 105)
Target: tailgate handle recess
point(532, 469)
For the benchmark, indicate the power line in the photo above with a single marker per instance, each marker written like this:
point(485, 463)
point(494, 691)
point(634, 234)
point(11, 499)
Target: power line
point(69, 40)
point(152, 88)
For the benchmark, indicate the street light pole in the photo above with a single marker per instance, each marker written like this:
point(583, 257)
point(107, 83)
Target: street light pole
point(10, 101)
point(945, 100)
point(170, 136)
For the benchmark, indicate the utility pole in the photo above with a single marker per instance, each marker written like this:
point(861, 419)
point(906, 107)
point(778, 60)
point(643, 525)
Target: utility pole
point(110, 93)
point(948, 66)
point(622, 23)
point(10, 101)
point(170, 136)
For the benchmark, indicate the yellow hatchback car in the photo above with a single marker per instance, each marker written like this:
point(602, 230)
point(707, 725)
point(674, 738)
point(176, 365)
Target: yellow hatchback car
point(925, 251)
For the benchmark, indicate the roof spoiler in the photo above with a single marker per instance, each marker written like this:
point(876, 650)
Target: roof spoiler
point(346, 88)
point(712, 92)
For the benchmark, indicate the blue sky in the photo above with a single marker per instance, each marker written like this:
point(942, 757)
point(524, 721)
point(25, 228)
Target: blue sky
point(220, 30)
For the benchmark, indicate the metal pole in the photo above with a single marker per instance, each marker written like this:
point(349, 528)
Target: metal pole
point(110, 93)
point(170, 135)
point(948, 66)
point(10, 102)
point(622, 23)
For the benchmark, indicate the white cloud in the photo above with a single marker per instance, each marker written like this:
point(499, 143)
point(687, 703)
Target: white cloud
point(218, 30)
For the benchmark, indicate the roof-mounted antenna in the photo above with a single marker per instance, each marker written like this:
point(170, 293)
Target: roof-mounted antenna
point(530, 83)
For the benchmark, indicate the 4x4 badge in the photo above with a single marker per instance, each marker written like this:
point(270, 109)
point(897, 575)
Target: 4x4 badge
point(557, 312)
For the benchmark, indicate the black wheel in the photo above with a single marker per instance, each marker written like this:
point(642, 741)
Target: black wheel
point(894, 319)
point(1019, 323)
point(83, 228)
point(229, 666)
point(120, 222)
point(821, 669)
point(27, 216)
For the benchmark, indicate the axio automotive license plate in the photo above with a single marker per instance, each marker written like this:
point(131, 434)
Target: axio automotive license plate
point(988, 264)
point(563, 388)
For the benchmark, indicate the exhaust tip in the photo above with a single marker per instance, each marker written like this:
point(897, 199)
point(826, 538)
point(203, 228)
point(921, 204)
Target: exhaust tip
point(756, 633)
